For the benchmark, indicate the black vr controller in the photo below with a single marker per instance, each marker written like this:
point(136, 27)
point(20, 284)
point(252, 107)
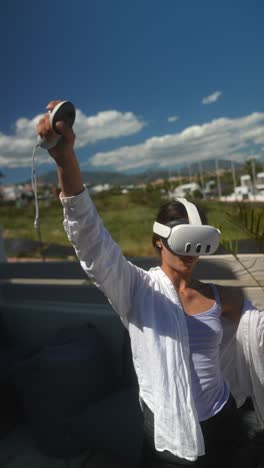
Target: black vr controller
point(64, 111)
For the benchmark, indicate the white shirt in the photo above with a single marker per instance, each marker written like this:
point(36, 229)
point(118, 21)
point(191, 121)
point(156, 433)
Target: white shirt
point(149, 307)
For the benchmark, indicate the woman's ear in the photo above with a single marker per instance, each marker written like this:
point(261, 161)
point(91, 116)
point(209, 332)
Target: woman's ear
point(159, 244)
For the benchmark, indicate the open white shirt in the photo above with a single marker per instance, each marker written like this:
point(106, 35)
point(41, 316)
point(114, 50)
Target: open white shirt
point(149, 307)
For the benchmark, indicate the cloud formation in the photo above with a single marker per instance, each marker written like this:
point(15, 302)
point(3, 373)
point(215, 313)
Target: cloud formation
point(107, 124)
point(16, 149)
point(212, 97)
point(173, 118)
point(221, 138)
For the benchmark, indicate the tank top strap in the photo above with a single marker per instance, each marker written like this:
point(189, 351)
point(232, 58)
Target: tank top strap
point(216, 294)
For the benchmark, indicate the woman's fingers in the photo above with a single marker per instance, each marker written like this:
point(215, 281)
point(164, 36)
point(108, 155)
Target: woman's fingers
point(52, 104)
point(43, 125)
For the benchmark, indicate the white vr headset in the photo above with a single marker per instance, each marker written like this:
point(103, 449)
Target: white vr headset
point(193, 239)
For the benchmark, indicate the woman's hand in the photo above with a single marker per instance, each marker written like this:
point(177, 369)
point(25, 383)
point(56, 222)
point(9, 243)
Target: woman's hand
point(70, 179)
point(64, 147)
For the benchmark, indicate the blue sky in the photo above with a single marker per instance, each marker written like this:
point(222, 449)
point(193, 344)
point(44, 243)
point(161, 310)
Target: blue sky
point(155, 83)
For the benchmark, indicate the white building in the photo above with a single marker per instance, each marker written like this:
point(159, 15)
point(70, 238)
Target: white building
point(100, 188)
point(245, 181)
point(260, 182)
point(184, 190)
point(10, 192)
point(247, 191)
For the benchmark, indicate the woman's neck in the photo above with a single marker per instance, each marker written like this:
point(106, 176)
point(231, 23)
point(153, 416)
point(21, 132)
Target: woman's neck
point(180, 281)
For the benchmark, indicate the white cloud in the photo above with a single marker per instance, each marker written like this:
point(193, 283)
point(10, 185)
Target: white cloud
point(107, 124)
point(212, 97)
point(221, 138)
point(16, 149)
point(173, 118)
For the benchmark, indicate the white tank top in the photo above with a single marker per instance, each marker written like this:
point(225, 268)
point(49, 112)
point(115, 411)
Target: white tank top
point(210, 391)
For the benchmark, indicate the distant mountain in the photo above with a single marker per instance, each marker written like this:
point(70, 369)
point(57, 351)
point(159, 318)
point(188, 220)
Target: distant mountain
point(100, 177)
point(92, 178)
point(113, 178)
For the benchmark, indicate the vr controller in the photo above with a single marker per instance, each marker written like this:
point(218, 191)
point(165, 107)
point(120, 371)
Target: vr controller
point(193, 239)
point(64, 111)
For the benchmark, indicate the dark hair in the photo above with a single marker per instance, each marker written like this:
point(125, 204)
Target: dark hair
point(172, 211)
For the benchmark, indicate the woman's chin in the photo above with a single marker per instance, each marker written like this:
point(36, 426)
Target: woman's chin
point(188, 261)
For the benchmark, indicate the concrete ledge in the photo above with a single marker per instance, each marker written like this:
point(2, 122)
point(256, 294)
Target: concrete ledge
point(57, 280)
point(247, 268)
point(256, 296)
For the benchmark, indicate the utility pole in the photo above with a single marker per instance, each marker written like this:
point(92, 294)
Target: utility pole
point(218, 179)
point(253, 167)
point(179, 176)
point(190, 172)
point(233, 175)
point(201, 178)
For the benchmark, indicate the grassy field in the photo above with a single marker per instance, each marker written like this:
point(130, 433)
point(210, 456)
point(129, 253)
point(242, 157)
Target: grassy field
point(129, 219)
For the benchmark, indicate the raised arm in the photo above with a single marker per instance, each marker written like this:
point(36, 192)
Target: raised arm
point(69, 173)
point(99, 255)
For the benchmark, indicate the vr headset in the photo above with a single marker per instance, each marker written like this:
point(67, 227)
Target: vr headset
point(193, 239)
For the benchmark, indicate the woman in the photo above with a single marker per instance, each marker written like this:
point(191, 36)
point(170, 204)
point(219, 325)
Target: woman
point(174, 325)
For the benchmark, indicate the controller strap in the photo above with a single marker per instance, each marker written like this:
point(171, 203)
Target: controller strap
point(34, 187)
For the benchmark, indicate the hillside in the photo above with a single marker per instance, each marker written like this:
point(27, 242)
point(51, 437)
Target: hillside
point(119, 178)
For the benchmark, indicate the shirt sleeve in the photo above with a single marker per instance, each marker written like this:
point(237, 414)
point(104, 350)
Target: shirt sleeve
point(250, 335)
point(100, 257)
point(257, 322)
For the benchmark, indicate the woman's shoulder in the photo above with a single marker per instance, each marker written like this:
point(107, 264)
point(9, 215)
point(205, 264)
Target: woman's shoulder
point(231, 300)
